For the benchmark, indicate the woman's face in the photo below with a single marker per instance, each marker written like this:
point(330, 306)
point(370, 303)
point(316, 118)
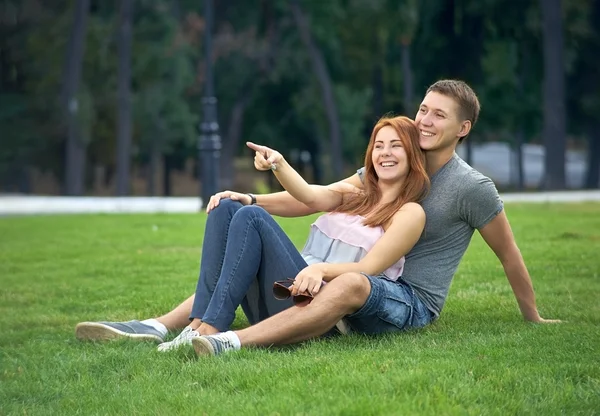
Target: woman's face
point(389, 157)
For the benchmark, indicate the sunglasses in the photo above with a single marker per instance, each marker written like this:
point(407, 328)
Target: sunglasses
point(282, 290)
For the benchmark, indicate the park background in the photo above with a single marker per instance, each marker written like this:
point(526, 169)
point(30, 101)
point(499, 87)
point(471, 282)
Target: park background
point(118, 97)
point(114, 98)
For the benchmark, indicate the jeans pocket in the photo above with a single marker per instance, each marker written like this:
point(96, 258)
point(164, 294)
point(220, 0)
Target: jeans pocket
point(421, 315)
point(397, 308)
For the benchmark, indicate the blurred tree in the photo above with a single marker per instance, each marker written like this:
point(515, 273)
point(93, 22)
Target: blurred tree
point(377, 55)
point(76, 145)
point(510, 75)
point(322, 73)
point(408, 24)
point(124, 127)
point(554, 132)
point(246, 44)
point(18, 144)
point(591, 101)
point(584, 88)
point(164, 75)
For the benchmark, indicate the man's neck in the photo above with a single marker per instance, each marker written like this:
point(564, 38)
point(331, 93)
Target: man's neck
point(435, 159)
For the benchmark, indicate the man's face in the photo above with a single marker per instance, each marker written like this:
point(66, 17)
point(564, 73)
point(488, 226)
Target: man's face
point(439, 123)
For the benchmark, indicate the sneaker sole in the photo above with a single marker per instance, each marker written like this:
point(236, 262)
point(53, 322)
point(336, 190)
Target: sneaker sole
point(203, 346)
point(93, 331)
point(343, 327)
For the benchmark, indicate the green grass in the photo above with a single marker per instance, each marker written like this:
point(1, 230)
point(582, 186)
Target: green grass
point(479, 358)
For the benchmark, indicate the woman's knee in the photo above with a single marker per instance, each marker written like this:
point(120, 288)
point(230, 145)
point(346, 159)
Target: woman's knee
point(226, 209)
point(228, 204)
point(249, 212)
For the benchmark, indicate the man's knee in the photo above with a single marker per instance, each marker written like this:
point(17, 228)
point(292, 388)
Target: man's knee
point(351, 287)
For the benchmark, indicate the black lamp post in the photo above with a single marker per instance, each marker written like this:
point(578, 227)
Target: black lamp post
point(209, 141)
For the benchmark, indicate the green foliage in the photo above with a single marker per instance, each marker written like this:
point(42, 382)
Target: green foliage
point(18, 144)
point(353, 109)
point(478, 358)
point(163, 74)
point(259, 61)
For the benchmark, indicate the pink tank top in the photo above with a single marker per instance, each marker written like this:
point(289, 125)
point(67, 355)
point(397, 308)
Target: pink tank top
point(340, 238)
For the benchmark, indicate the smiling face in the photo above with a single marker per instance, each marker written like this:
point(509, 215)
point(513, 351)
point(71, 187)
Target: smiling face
point(389, 157)
point(439, 122)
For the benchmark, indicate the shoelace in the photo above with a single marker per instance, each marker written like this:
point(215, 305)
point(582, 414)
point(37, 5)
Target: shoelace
point(184, 337)
point(221, 342)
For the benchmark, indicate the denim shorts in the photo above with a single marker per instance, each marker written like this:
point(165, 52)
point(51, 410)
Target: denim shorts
point(391, 306)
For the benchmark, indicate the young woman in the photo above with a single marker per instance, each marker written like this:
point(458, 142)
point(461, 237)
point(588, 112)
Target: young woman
point(243, 242)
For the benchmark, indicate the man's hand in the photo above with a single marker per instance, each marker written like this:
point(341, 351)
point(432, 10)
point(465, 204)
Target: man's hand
point(265, 158)
point(541, 320)
point(234, 196)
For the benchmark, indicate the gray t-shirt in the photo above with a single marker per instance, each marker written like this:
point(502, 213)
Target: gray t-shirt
point(460, 200)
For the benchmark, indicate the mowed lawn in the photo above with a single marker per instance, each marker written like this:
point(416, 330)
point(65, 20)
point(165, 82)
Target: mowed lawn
point(480, 357)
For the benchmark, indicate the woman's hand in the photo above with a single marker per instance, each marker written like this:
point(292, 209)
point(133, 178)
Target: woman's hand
point(234, 196)
point(265, 158)
point(309, 280)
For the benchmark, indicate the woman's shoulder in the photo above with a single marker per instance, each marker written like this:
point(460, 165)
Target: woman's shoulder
point(410, 212)
point(412, 209)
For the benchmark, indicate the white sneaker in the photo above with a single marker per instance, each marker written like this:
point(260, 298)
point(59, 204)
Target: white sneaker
point(214, 344)
point(343, 327)
point(185, 338)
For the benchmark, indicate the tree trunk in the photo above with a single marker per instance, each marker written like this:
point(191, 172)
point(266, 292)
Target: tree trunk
point(75, 146)
point(232, 139)
point(167, 169)
point(554, 131)
point(517, 172)
point(408, 80)
point(592, 178)
point(124, 98)
point(523, 57)
point(152, 167)
point(322, 75)
point(377, 85)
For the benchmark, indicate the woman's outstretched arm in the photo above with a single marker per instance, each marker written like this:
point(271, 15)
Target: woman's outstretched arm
point(315, 197)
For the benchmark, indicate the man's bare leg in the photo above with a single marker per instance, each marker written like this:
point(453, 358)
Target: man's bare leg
point(342, 296)
point(179, 317)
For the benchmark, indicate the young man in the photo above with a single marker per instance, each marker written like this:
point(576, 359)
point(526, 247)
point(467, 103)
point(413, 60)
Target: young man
point(460, 201)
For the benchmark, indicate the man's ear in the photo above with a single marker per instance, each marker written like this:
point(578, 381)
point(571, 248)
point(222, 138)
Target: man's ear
point(465, 128)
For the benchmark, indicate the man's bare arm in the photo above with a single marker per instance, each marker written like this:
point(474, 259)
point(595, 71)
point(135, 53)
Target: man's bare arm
point(498, 235)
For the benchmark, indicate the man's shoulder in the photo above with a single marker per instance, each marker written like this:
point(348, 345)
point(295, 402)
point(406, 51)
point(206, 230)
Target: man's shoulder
point(458, 166)
point(466, 175)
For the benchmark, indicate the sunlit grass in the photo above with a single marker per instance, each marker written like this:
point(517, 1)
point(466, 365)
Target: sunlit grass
point(479, 358)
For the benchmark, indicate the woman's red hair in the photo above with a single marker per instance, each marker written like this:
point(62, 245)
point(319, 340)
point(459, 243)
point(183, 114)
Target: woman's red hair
point(415, 186)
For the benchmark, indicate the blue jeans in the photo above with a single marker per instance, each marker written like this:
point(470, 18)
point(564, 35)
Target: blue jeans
point(244, 252)
point(390, 307)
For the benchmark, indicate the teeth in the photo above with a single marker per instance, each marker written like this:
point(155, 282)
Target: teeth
point(388, 164)
point(426, 133)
